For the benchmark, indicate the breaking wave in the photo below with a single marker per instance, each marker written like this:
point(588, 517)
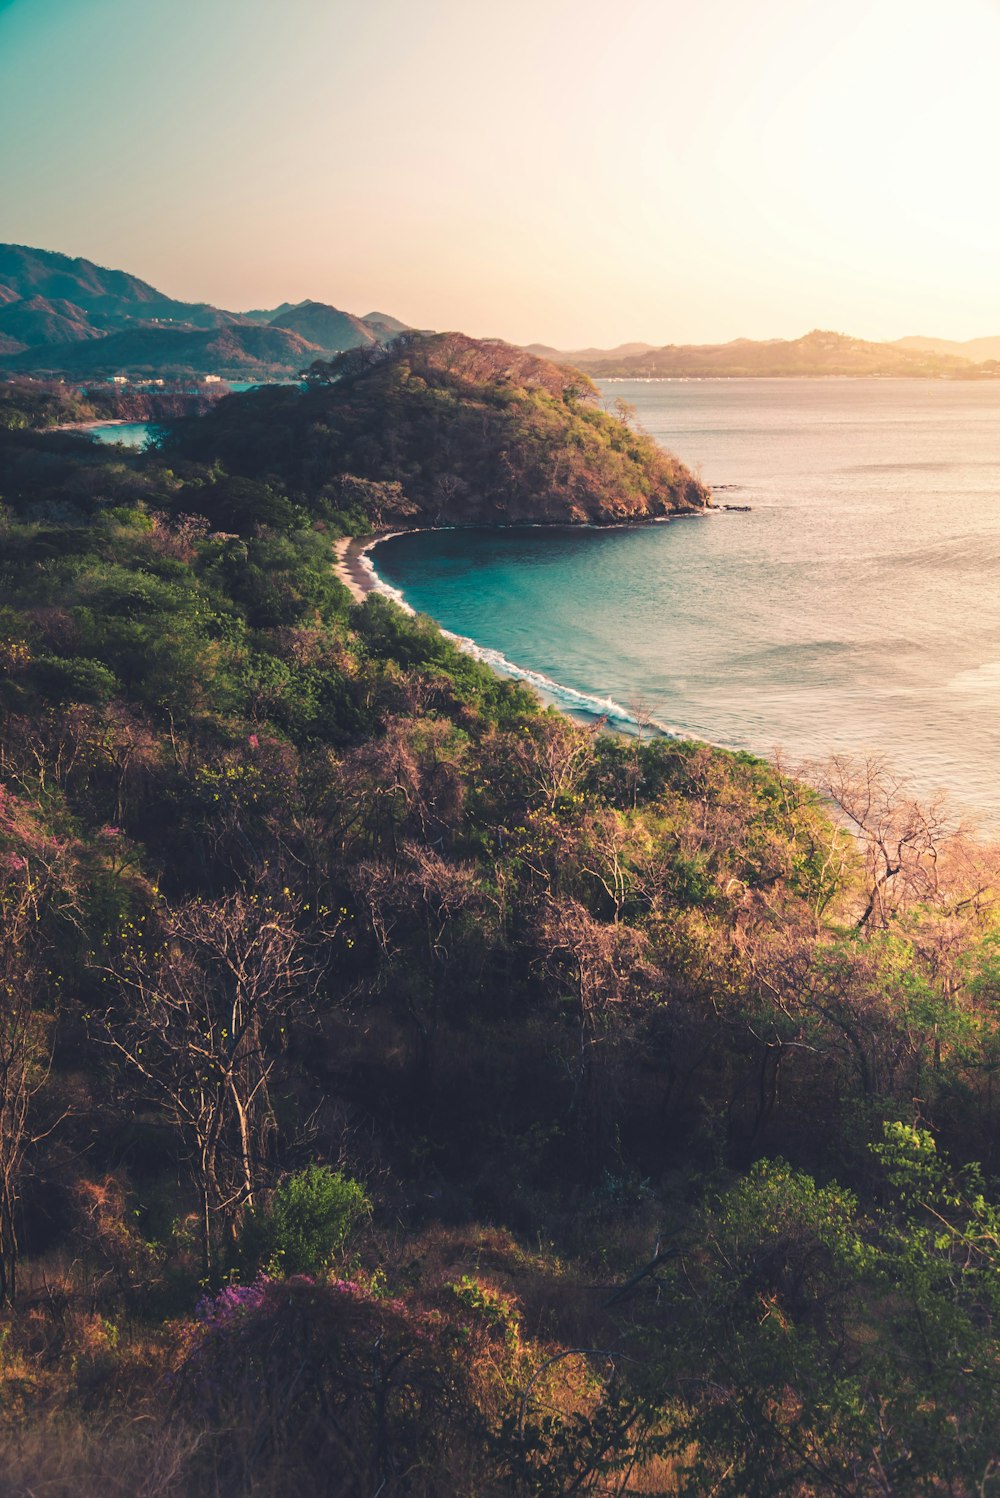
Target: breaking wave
point(568, 698)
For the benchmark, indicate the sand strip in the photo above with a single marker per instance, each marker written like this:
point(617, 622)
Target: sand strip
point(355, 578)
point(86, 426)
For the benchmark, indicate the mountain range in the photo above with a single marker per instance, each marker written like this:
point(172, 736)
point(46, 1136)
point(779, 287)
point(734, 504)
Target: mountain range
point(816, 353)
point(70, 317)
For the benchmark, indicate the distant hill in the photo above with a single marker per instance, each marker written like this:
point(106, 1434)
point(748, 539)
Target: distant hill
point(31, 272)
point(66, 316)
point(107, 297)
point(584, 356)
point(976, 349)
point(327, 327)
point(817, 353)
point(381, 322)
point(266, 315)
point(38, 319)
point(233, 351)
point(330, 328)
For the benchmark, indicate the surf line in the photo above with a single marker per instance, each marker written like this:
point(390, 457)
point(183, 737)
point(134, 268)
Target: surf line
point(366, 579)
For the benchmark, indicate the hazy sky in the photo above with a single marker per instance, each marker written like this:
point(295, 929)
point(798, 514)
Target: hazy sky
point(571, 171)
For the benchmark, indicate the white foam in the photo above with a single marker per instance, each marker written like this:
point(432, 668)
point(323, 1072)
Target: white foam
point(568, 697)
point(378, 585)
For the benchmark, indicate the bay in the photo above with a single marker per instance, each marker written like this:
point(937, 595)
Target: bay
point(855, 608)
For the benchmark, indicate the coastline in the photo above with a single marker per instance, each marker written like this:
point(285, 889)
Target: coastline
point(348, 567)
point(86, 426)
point(354, 569)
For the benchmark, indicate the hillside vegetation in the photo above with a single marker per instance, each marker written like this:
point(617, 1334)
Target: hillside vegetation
point(406, 1092)
point(445, 429)
point(31, 406)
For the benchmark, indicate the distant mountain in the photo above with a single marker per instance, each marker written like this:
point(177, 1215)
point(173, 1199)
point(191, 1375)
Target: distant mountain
point(38, 319)
point(31, 272)
point(266, 315)
point(327, 327)
point(107, 297)
point(67, 316)
point(817, 353)
point(584, 356)
point(234, 351)
point(976, 349)
point(382, 323)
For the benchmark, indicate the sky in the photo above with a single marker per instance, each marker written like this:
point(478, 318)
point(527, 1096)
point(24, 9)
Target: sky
point(563, 171)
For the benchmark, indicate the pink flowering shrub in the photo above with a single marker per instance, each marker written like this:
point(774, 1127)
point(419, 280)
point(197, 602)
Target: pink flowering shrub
point(334, 1378)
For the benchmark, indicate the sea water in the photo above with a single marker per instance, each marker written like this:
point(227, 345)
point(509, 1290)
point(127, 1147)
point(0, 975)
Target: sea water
point(855, 608)
point(128, 433)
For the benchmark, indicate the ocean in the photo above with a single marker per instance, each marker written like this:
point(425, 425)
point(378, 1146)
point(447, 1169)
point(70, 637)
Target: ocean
point(855, 608)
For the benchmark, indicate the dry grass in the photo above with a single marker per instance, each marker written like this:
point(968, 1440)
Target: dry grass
point(67, 1457)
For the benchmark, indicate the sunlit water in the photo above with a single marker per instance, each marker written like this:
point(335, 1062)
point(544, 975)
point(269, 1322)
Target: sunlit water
point(855, 608)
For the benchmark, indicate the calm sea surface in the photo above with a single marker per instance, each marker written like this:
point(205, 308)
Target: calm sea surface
point(856, 608)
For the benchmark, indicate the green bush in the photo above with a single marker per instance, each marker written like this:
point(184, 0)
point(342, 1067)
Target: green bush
point(306, 1221)
point(75, 680)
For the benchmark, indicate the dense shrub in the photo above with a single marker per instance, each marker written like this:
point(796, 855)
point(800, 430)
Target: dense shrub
point(304, 1224)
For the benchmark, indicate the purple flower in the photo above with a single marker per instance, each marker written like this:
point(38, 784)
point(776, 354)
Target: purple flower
point(217, 1310)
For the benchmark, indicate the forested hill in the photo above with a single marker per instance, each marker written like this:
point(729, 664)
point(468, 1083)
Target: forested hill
point(445, 429)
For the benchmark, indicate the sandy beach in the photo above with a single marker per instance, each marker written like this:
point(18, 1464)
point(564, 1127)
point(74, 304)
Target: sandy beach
point(85, 426)
point(348, 565)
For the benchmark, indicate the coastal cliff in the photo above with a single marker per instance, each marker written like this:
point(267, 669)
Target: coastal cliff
point(445, 430)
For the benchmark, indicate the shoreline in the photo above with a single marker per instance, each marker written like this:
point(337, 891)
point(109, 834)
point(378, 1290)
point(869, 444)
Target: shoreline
point(352, 567)
point(349, 567)
point(360, 578)
point(86, 426)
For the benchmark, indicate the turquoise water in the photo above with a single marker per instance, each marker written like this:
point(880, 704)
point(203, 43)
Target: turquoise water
point(137, 433)
point(129, 433)
point(855, 608)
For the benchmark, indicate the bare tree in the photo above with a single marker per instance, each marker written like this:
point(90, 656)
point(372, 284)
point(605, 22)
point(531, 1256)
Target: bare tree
point(25, 1055)
point(614, 849)
point(554, 759)
point(207, 1003)
point(603, 965)
point(905, 844)
point(419, 898)
point(37, 877)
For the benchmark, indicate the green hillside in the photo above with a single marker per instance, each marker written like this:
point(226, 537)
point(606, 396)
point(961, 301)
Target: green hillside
point(406, 1092)
point(449, 430)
